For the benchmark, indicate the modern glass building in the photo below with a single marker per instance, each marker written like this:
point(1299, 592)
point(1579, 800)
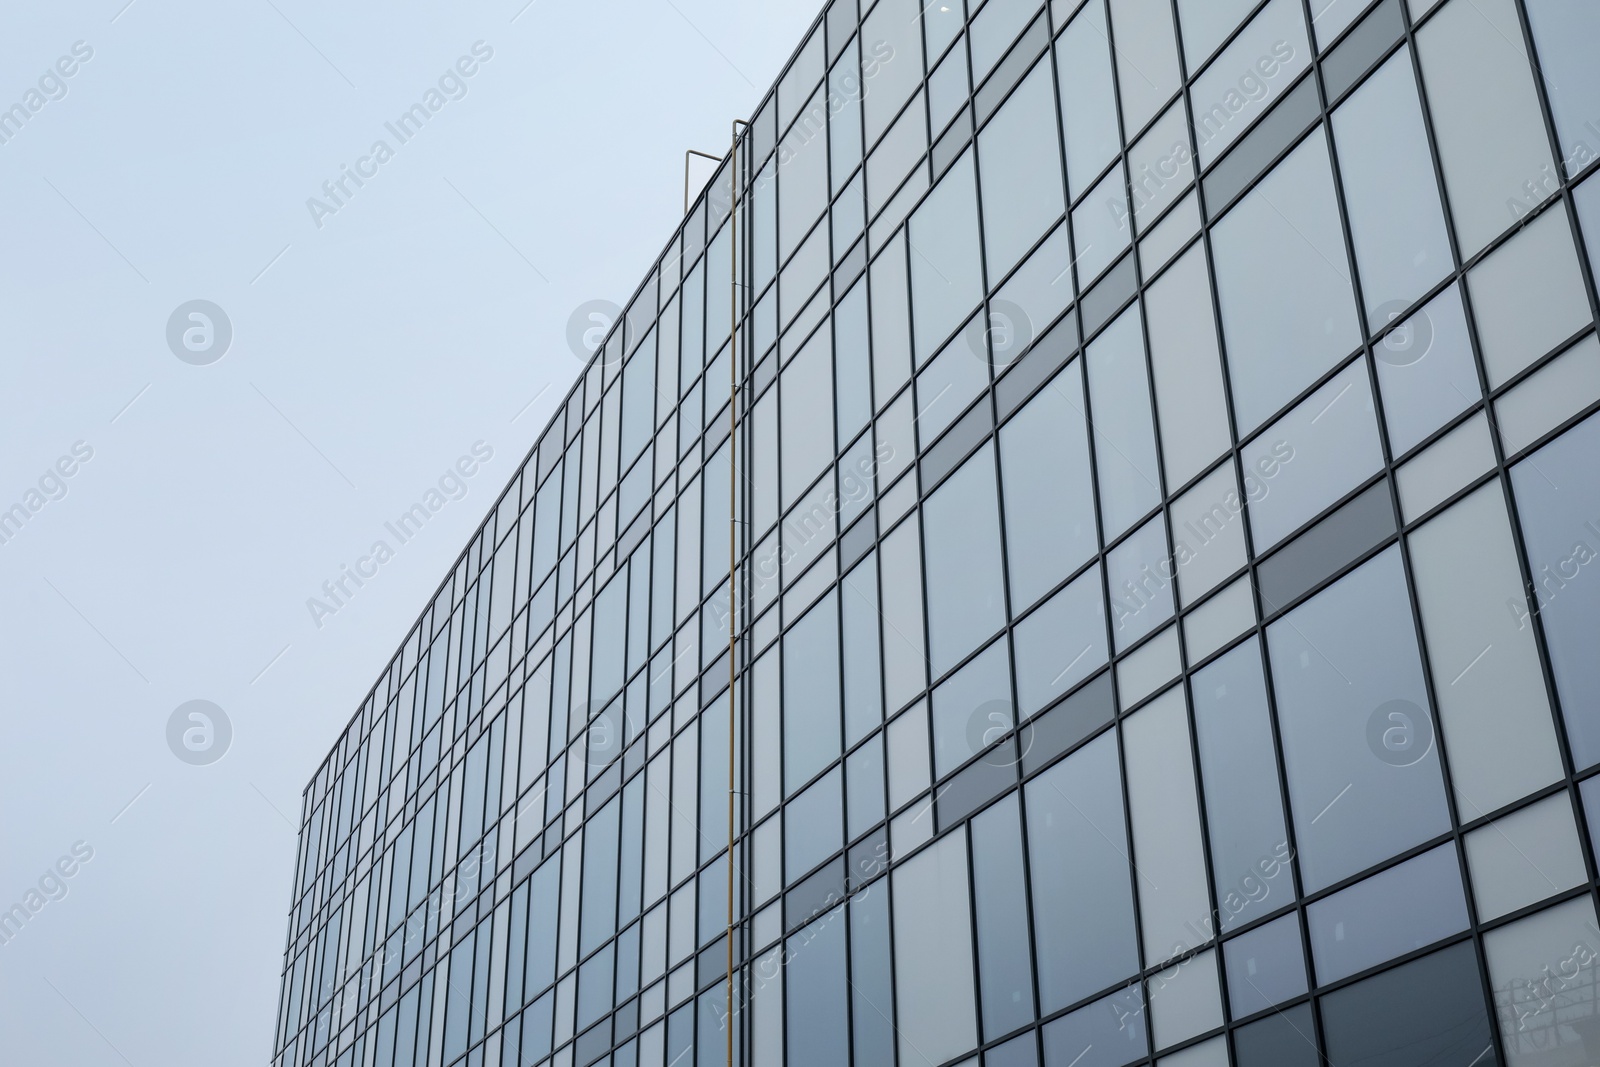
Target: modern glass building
point(1159, 462)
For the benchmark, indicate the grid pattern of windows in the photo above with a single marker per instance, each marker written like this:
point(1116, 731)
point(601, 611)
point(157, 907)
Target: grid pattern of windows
point(1165, 513)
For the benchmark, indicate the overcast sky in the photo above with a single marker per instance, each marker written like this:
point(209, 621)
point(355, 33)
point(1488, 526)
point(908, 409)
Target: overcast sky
point(178, 508)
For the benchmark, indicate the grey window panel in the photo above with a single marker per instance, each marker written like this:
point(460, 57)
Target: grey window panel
point(815, 895)
point(1266, 966)
point(867, 858)
point(1340, 539)
point(1257, 150)
point(1430, 1010)
point(1048, 355)
point(956, 445)
point(1064, 726)
point(1099, 1034)
point(593, 1044)
point(1362, 47)
point(858, 540)
point(1282, 1039)
point(850, 268)
point(1101, 303)
point(974, 787)
point(949, 145)
point(1012, 68)
point(1018, 1052)
point(841, 24)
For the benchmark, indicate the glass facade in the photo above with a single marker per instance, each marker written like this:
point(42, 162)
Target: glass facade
point(1164, 504)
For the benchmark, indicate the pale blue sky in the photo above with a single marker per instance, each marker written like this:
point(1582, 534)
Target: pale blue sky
point(367, 356)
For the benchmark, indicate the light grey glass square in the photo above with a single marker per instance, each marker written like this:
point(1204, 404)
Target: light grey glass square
point(1266, 966)
point(1528, 296)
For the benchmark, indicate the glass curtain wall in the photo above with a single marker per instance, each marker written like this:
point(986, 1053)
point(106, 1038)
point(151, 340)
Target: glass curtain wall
point(1165, 531)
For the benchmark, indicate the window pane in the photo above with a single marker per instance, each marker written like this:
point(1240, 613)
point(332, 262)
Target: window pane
point(934, 994)
point(1021, 159)
point(898, 26)
point(1247, 79)
point(1206, 24)
point(815, 981)
point(1100, 229)
point(1486, 673)
point(1388, 915)
point(871, 984)
point(802, 175)
point(1166, 827)
point(1556, 489)
point(946, 268)
point(1108, 1033)
point(1571, 79)
point(1396, 221)
point(1124, 432)
point(1147, 58)
point(904, 665)
point(1316, 453)
point(813, 826)
point(1244, 812)
point(1283, 1039)
point(1528, 296)
point(1077, 848)
point(972, 709)
point(1425, 370)
point(1044, 464)
point(807, 440)
point(1538, 972)
point(1428, 1011)
point(1522, 858)
point(1139, 573)
point(1162, 167)
point(811, 694)
point(1208, 533)
point(1187, 368)
point(965, 584)
point(844, 109)
point(1088, 104)
point(864, 784)
point(1486, 122)
point(891, 322)
point(1364, 778)
point(1266, 966)
point(999, 887)
point(1280, 265)
point(1062, 643)
point(863, 666)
